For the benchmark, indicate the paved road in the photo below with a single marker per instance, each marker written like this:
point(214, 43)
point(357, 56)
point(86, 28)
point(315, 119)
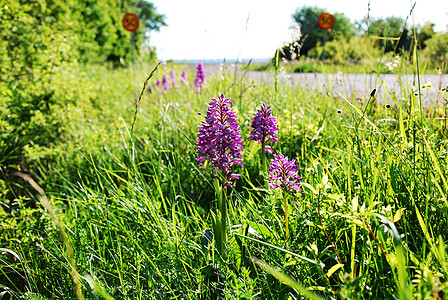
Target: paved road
point(361, 85)
point(354, 86)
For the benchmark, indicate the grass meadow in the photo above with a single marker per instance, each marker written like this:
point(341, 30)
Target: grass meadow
point(120, 208)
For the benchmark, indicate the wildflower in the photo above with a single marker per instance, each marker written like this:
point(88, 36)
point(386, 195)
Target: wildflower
point(183, 75)
point(264, 127)
point(393, 64)
point(173, 79)
point(158, 83)
point(219, 141)
point(183, 78)
point(200, 79)
point(137, 102)
point(338, 80)
point(165, 83)
point(219, 137)
point(296, 33)
point(283, 174)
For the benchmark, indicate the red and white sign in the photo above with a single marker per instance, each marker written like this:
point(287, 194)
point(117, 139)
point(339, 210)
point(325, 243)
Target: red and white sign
point(130, 22)
point(326, 21)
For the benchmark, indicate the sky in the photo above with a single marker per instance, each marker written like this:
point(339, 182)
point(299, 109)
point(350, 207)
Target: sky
point(253, 29)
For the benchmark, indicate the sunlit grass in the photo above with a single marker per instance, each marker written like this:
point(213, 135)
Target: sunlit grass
point(140, 213)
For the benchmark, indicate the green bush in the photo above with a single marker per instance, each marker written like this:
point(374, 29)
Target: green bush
point(43, 44)
point(342, 50)
point(308, 68)
point(436, 50)
point(36, 37)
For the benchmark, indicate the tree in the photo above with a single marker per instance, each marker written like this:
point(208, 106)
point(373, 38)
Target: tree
point(102, 37)
point(37, 38)
point(425, 33)
point(148, 15)
point(42, 39)
point(390, 27)
point(307, 17)
point(437, 49)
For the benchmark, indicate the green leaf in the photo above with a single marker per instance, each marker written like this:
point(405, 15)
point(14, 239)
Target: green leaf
point(310, 187)
point(398, 214)
point(259, 230)
point(290, 263)
point(334, 269)
point(355, 204)
point(282, 277)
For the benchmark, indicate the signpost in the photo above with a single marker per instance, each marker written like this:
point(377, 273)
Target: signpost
point(131, 23)
point(325, 21)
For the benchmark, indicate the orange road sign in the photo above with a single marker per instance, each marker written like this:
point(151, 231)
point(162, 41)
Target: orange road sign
point(130, 22)
point(326, 21)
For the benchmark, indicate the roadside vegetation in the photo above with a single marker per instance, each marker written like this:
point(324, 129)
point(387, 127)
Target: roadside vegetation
point(120, 181)
point(365, 46)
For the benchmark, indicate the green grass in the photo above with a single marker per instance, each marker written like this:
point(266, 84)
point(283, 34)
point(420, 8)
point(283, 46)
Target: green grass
point(131, 216)
point(365, 66)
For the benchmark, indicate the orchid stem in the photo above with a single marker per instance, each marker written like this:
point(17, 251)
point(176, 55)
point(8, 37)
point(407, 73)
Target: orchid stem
point(223, 215)
point(286, 213)
point(264, 165)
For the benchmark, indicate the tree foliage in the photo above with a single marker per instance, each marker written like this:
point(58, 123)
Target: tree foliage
point(343, 50)
point(391, 27)
point(40, 39)
point(437, 49)
point(425, 33)
point(390, 34)
point(101, 35)
point(307, 16)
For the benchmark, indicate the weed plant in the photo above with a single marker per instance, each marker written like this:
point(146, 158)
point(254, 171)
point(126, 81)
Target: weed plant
point(131, 213)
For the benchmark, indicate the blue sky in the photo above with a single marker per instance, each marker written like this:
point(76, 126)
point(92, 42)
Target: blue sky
point(245, 29)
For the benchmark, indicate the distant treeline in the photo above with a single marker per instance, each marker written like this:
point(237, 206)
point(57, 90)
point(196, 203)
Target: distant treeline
point(42, 43)
point(36, 34)
point(353, 41)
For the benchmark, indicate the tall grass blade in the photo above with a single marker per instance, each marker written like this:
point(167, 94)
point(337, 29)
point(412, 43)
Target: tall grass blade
point(282, 277)
point(61, 227)
point(404, 288)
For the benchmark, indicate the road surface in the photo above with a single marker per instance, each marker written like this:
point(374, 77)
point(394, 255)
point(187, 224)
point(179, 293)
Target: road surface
point(355, 86)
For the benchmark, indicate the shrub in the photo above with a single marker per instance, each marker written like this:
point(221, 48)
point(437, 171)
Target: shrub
point(344, 50)
point(436, 50)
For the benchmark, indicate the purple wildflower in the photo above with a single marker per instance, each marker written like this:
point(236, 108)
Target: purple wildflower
point(283, 174)
point(165, 83)
point(173, 79)
point(200, 79)
point(219, 137)
point(264, 127)
point(158, 83)
point(183, 78)
point(137, 102)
